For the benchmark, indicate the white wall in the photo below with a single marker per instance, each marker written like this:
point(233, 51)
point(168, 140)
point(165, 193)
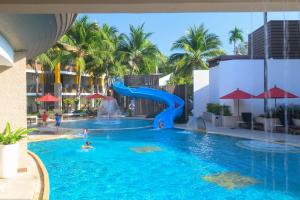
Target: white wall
point(201, 91)
point(164, 80)
point(248, 75)
point(6, 53)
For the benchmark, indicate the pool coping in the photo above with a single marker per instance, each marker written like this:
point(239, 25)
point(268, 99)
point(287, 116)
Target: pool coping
point(104, 129)
point(241, 136)
point(44, 178)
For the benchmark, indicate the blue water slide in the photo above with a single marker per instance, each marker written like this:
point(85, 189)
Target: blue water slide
point(174, 104)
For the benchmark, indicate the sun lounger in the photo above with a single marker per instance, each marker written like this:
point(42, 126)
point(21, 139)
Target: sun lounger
point(249, 122)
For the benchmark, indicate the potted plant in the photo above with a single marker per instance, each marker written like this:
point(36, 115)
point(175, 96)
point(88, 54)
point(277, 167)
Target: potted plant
point(211, 109)
point(213, 114)
point(9, 150)
point(227, 119)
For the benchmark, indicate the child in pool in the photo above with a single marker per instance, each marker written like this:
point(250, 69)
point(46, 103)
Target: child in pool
point(160, 124)
point(88, 144)
point(85, 132)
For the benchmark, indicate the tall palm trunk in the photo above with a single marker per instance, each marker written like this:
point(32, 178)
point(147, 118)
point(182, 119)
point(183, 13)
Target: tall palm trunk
point(36, 74)
point(134, 67)
point(266, 57)
point(107, 77)
point(78, 92)
point(96, 84)
point(234, 48)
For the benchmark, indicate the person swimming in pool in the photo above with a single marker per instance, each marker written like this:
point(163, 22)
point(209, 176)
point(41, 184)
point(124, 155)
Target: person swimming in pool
point(87, 145)
point(160, 124)
point(85, 132)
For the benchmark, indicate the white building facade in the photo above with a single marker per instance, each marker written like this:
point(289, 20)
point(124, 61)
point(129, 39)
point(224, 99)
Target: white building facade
point(247, 75)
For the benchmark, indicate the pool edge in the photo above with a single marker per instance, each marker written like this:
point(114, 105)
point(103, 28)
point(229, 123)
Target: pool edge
point(44, 177)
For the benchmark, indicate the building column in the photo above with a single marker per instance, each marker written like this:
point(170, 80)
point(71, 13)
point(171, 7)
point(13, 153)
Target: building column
point(13, 101)
point(58, 87)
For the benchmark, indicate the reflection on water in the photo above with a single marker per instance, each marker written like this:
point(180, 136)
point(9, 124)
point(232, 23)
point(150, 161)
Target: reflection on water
point(256, 145)
point(108, 122)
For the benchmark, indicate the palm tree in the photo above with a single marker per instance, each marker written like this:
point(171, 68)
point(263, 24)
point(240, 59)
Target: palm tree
point(79, 41)
point(137, 51)
point(235, 35)
point(194, 50)
point(103, 58)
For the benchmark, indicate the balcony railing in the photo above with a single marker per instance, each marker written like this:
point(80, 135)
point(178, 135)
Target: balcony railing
point(32, 89)
point(72, 89)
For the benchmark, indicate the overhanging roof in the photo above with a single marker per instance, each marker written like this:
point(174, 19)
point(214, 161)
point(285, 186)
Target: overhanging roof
point(33, 33)
point(140, 6)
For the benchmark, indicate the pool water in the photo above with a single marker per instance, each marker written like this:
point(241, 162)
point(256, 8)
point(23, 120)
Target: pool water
point(108, 124)
point(165, 165)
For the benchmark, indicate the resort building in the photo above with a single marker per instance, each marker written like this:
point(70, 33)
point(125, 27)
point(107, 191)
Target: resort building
point(62, 83)
point(228, 73)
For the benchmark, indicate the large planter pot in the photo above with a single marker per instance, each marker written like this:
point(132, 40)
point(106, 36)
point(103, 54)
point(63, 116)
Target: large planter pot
point(217, 120)
point(268, 122)
point(208, 116)
point(9, 155)
point(296, 122)
point(229, 121)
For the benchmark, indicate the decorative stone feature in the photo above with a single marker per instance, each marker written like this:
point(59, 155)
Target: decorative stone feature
point(145, 149)
point(230, 180)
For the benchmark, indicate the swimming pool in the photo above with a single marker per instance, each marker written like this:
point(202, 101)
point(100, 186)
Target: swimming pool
point(108, 124)
point(166, 164)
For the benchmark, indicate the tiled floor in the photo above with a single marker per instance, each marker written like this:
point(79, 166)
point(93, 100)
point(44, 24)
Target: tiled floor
point(25, 186)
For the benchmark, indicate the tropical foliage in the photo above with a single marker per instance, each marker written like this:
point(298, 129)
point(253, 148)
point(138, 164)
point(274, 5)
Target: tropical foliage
point(193, 52)
point(102, 51)
point(235, 35)
point(11, 137)
point(138, 52)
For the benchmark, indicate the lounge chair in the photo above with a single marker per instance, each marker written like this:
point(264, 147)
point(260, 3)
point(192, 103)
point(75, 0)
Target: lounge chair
point(249, 122)
point(291, 127)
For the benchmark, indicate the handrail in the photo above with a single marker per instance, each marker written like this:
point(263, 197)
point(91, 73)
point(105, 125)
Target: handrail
point(201, 124)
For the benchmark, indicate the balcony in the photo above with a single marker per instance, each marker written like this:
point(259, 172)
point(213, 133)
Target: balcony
point(31, 90)
point(70, 90)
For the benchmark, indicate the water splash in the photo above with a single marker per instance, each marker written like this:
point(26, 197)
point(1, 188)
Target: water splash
point(108, 108)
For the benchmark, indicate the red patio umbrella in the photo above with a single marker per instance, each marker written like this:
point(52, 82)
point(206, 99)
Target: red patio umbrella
point(47, 98)
point(238, 94)
point(99, 96)
point(276, 93)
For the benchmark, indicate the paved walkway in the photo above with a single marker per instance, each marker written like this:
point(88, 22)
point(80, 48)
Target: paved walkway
point(288, 139)
point(25, 186)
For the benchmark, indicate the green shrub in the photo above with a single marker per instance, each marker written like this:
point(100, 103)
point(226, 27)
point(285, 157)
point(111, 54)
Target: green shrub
point(11, 137)
point(218, 109)
point(225, 110)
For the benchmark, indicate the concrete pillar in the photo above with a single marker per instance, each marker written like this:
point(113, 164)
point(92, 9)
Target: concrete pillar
point(13, 99)
point(58, 87)
point(13, 93)
point(57, 93)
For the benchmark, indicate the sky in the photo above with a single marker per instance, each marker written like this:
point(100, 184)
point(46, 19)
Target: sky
point(168, 27)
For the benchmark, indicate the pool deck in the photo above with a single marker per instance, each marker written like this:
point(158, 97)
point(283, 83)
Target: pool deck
point(282, 138)
point(26, 185)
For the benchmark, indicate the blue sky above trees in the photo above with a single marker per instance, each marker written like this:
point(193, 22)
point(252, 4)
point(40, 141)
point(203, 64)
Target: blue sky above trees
point(168, 27)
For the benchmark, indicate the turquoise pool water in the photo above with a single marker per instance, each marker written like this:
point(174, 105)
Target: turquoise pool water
point(105, 123)
point(165, 165)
